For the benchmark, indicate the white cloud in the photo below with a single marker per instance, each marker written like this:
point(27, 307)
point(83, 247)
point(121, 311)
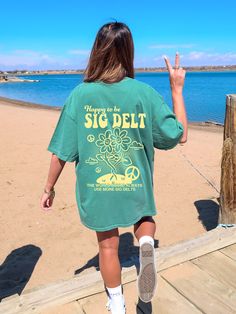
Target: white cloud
point(171, 46)
point(159, 58)
point(24, 57)
point(79, 52)
point(206, 58)
point(37, 60)
point(25, 52)
point(78, 59)
point(198, 58)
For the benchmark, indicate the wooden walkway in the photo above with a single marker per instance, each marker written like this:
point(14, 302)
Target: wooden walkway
point(194, 276)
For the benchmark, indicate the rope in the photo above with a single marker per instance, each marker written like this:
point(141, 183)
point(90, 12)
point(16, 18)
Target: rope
point(199, 172)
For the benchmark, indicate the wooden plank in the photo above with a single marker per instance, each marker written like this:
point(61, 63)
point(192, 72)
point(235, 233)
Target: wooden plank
point(186, 250)
point(69, 308)
point(64, 291)
point(95, 304)
point(169, 301)
point(204, 291)
point(10, 297)
point(218, 266)
point(79, 307)
point(54, 294)
point(99, 301)
point(230, 251)
point(166, 301)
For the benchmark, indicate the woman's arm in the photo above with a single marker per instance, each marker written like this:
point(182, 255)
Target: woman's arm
point(179, 110)
point(177, 77)
point(55, 169)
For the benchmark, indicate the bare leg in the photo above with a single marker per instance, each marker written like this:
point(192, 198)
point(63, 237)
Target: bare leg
point(109, 263)
point(145, 226)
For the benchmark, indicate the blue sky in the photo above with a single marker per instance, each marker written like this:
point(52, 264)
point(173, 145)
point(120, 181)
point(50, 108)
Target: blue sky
point(59, 34)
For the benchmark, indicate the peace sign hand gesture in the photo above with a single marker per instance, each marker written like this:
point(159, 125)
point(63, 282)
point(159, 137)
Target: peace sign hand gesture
point(176, 74)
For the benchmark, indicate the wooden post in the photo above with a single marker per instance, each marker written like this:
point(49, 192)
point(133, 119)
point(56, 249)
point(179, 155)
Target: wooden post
point(227, 212)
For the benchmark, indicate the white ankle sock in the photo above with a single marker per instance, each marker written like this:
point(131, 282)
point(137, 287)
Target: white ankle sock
point(117, 301)
point(116, 291)
point(146, 238)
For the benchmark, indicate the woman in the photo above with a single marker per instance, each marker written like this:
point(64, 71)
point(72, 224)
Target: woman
point(109, 126)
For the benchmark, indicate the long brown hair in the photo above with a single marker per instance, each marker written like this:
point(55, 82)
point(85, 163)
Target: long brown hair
point(112, 54)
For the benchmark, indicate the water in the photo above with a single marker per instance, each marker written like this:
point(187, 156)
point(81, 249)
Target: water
point(204, 92)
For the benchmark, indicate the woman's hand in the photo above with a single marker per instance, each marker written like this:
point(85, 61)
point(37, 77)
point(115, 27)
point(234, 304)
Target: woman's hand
point(46, 201)
point(56, 167)
point(176, 75)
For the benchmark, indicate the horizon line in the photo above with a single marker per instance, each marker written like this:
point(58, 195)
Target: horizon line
point(145, 67)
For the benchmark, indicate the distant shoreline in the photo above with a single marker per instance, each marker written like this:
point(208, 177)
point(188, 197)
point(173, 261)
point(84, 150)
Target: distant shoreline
point(211, 125)
point(228, 68)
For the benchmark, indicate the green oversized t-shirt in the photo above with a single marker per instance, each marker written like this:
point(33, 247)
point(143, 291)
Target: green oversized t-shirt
point(110, 131)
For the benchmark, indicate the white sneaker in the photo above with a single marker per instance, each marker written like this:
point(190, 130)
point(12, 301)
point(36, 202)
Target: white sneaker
point(110, 307)
point(147, 278)
point(115, 304)
point(108, 304)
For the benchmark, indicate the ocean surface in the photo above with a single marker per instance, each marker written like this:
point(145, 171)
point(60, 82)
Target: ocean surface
point(204, 92)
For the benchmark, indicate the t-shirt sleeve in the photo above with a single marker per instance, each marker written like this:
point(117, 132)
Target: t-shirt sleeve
point(167, 130)
point(64, 141)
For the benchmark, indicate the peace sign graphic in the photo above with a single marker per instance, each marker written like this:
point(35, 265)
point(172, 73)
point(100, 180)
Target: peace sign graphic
point(132, 172)
point(90, 138)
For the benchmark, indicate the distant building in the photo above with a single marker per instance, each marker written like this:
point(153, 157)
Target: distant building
point(3, 77)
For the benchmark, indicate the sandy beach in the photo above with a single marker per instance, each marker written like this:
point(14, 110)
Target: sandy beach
point(39, 247)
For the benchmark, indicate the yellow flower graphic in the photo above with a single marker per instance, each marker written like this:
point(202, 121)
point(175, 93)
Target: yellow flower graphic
point(104, 142)
point(120, 140)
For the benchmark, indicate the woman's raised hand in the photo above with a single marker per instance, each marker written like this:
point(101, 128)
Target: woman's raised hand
point(176, 74)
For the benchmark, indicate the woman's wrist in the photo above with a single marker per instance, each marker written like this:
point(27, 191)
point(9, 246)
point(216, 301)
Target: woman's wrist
point(177, 99)
point(49, 188)
point(51, 192)
point(177, 92)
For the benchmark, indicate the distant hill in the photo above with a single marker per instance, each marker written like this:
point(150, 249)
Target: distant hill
point(145, 69)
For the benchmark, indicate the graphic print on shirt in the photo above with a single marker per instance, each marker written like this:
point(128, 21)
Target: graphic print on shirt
point(114, 147)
